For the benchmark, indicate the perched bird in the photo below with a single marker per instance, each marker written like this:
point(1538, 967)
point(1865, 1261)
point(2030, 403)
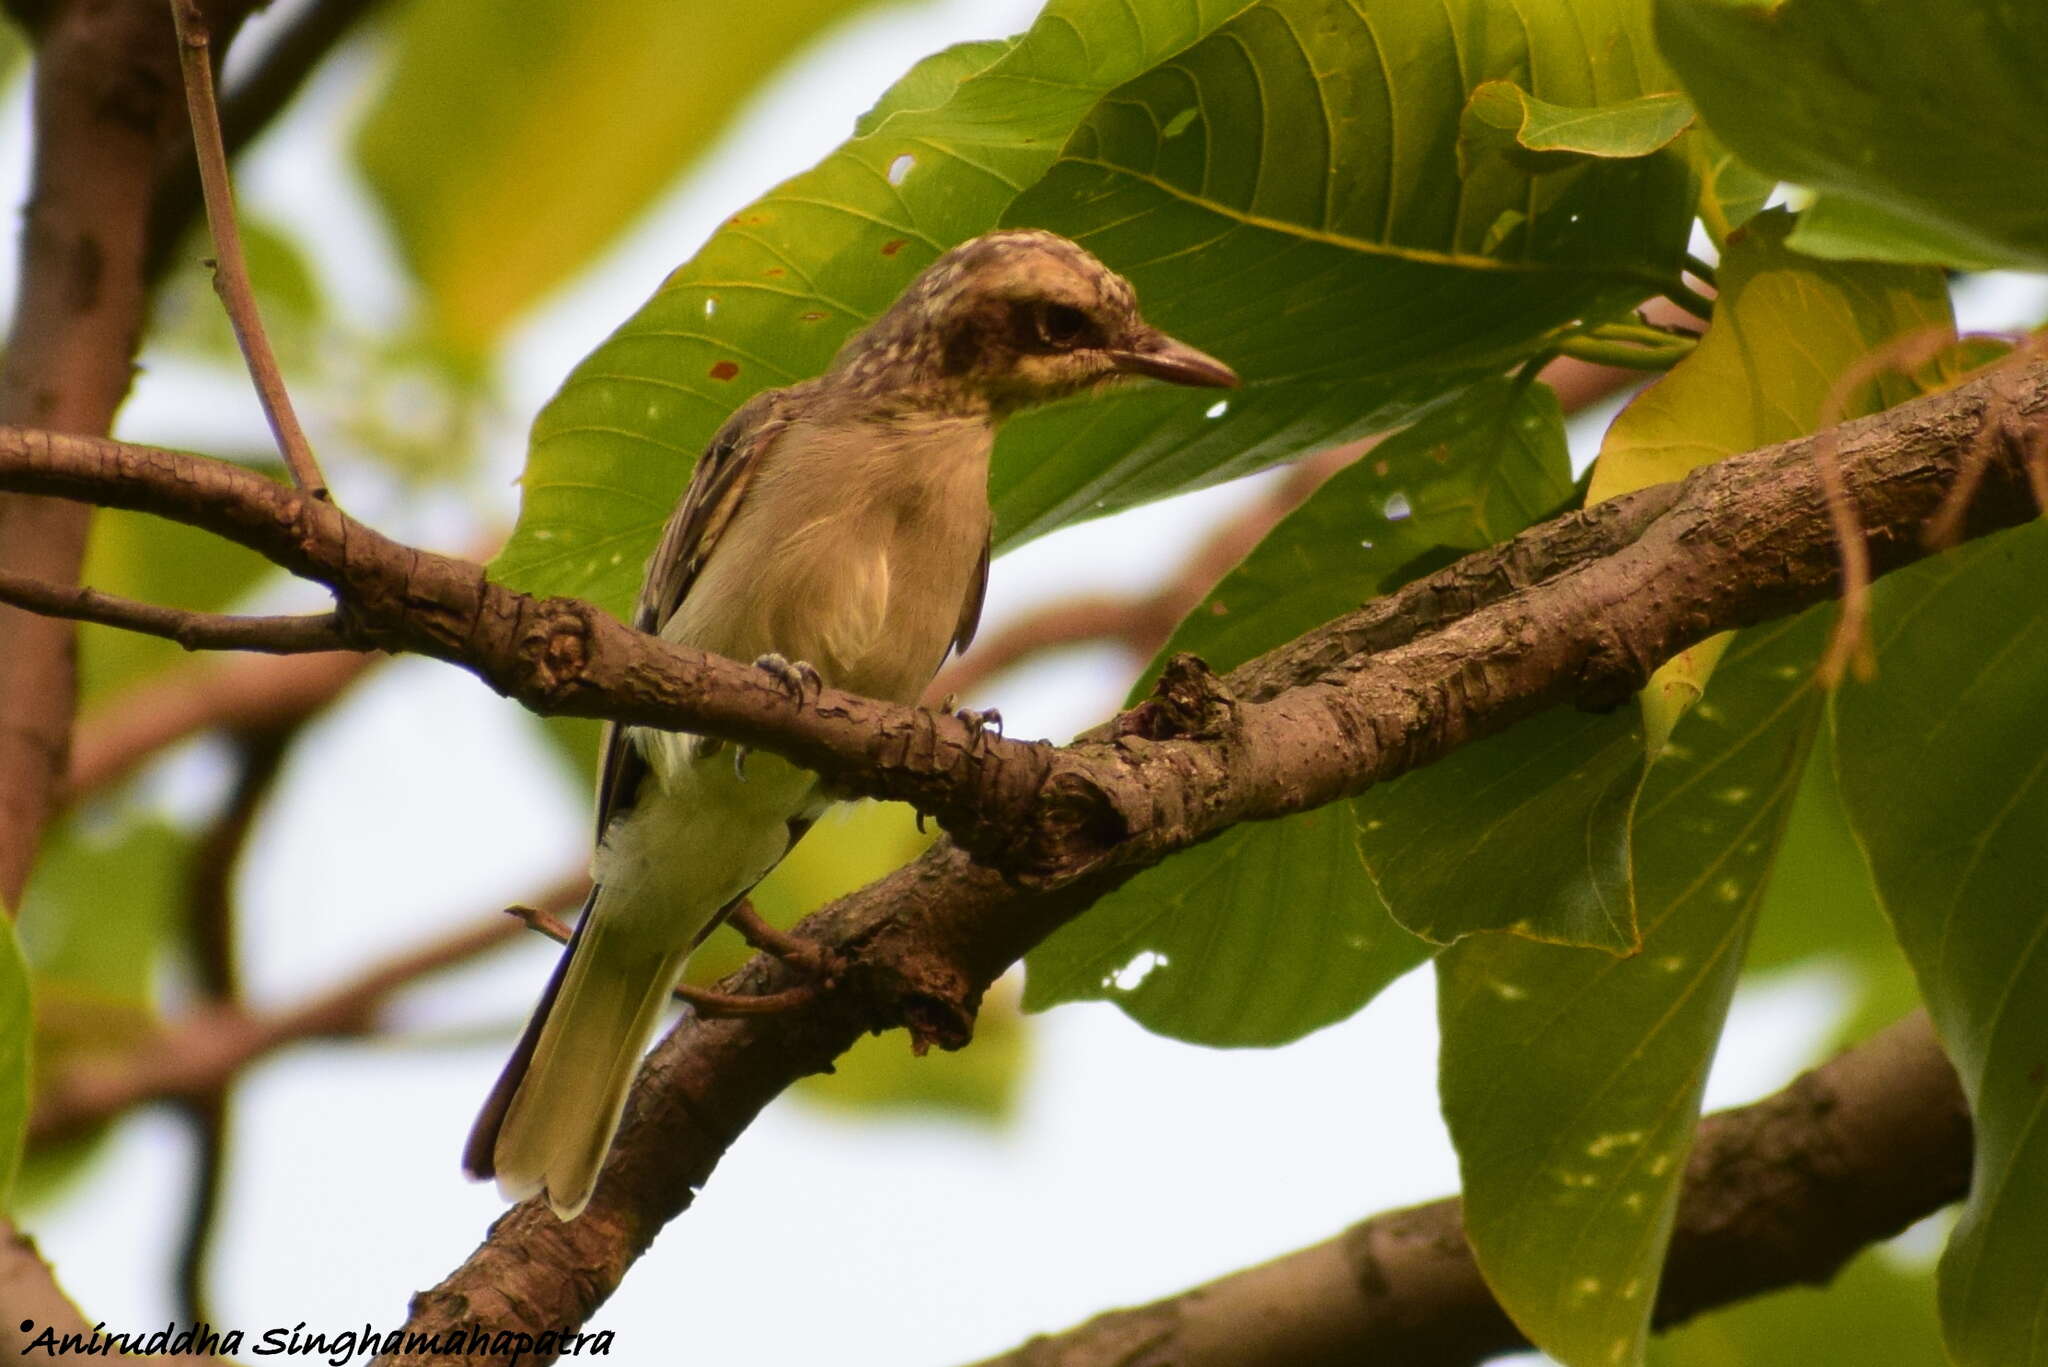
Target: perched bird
point(842, 522)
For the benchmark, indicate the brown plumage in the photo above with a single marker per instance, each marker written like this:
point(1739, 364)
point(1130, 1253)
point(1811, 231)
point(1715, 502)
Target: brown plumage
point(843, 522)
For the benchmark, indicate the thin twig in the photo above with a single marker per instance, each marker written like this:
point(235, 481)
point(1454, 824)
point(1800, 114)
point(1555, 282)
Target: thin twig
point(289, 635)
point(231, 272)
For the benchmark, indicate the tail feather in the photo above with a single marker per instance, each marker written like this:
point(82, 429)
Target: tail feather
point(551, 1116)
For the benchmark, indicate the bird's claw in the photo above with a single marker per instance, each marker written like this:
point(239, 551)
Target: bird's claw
point(983, 719)
point(799, 679)
point(739, 762)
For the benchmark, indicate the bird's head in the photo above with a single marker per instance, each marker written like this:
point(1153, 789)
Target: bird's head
point(1015, 318)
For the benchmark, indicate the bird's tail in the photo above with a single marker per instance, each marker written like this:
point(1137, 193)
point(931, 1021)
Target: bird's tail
point(552, 1114)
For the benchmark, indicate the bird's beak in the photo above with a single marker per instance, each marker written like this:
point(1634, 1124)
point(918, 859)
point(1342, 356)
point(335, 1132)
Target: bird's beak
point(1154, 353)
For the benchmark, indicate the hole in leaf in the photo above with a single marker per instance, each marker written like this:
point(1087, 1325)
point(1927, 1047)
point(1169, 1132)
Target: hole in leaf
point(900, 168)
point(724, 370)
point(1397, 507)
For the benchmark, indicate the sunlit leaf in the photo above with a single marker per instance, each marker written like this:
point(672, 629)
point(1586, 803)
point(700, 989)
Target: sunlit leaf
point(1501, 118)
point(1795, 345)
point(1327, 248)
point(1731, 191)
point(1572, 1078)
point(1944, 769)
point(1934, 114)
point(511, 142)
point(1274, 928)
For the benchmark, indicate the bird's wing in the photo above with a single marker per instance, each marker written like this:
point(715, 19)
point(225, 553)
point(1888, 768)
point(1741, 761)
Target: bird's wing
point(717, 487)
point(970, 608)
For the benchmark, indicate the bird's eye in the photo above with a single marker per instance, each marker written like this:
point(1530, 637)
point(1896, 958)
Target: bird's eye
point(1060, 326)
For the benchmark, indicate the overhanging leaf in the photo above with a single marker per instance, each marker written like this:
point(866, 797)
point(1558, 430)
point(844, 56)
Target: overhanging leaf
point(1572, 1079)
point(1501, 117)
point(1944, 769)
point(1345, 270)
point(1731, 191)
point(1935, 114)
point(1274, 929)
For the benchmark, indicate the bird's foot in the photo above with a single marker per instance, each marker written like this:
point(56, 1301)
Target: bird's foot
point(818, 963)
point(800, 680)
point(978, 719)
point(812, 958)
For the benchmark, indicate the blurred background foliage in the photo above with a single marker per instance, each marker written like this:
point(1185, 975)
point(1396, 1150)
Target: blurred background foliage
point(1389, 217)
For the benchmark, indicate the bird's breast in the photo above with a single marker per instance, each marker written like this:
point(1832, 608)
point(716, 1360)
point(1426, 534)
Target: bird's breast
point(854, 551)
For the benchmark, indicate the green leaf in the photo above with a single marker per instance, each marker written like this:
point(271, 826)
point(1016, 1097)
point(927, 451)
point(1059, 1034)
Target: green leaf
point(17, 1030)
point(1543, 808)
point(602, 102)
point(932, 81)
point(1786, 331)
point(1933, 114)
point(1502, 117)
point(1572, 1079)
point(1325, 247)
point(1944, 769)
point(1731, 191)
point(1263, 934)
point(1822, 909)
point(1275, 929)
point(1837, 228)
point(1873, 1301)
point(1789, 352)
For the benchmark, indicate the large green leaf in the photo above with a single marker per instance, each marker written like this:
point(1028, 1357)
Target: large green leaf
point(1280, 181)
point(1944, 767)
point(1572, 1078)
point(1935, 114)
point(1821, 909)
point(1787, 330)
point(1545, 807)
point(511, 142)
point(17, 1030)
point(1274, 929)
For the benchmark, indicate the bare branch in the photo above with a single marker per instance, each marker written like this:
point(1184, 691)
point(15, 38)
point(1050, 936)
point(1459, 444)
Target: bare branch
point(231, 273)
point(1777, 1194)
point(295, 635)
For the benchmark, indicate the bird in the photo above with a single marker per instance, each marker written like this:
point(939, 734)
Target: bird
point(836, 531)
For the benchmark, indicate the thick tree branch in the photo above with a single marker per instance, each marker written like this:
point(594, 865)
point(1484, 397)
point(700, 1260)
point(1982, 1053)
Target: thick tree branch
point(1777, 1194)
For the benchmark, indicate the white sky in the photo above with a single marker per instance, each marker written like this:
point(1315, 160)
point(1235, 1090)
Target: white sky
point(1134, 1167)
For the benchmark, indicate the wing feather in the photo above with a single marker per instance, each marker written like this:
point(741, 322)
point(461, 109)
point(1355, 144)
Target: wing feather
point(717, 487)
